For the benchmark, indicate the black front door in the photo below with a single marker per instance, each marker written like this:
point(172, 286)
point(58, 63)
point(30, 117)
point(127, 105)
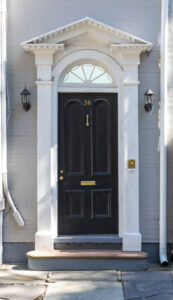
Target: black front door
point(88, 163)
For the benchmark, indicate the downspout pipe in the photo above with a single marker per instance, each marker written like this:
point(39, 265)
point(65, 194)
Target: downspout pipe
point(16, 215)
point(2, 46)
point(163, 134)
point(2, 84)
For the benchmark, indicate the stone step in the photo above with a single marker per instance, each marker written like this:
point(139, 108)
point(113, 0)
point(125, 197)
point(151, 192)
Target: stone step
point(95, 241)
point(89, 259)
point(85, 246)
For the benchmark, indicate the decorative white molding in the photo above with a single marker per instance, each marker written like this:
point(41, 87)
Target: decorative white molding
point(43, 47)
point(85, 89)
point(43, 82)
point(131, 83)
point(133, 47)
point(88, 24)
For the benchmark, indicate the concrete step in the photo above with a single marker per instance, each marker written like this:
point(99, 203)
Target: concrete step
point(89, 259)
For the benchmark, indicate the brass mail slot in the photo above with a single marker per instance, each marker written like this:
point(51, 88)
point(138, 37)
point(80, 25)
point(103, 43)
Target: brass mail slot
point(88, 182)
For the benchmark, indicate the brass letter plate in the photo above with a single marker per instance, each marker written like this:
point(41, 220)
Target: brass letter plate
point(88, 182)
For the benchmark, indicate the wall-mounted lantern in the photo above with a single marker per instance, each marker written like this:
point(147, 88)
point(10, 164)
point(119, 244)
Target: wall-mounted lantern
point(149, 95)
point(25, 98)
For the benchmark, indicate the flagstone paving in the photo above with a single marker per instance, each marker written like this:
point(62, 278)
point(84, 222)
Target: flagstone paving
point(153, 285)
point(21, 292)
point(88, 290)
point(18, 283)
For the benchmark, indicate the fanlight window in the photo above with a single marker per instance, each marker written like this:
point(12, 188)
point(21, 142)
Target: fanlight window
point(87, 74)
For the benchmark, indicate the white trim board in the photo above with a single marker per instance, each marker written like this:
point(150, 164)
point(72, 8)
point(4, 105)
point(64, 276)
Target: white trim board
point(65, 89)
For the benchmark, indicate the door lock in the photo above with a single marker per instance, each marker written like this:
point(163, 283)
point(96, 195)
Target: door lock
point(61, 178)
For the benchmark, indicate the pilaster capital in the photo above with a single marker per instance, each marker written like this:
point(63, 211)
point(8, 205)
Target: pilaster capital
point(43, 52)
point(130, 58)
point(130, 53)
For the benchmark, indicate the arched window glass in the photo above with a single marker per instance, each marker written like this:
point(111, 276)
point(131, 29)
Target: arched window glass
point(87, 74)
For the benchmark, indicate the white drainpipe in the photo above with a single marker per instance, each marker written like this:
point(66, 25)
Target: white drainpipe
point(2, 95)
point(4, 179)
point(163, 135)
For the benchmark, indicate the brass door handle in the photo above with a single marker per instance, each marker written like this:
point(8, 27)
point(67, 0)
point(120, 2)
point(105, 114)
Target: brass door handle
point(61, 178)
point(87, 121)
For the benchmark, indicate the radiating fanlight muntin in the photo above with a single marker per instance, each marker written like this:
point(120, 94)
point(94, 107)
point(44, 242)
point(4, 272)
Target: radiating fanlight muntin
point(87, 74)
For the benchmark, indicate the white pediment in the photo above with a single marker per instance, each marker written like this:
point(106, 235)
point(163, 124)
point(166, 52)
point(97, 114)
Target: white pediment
point(86, 31)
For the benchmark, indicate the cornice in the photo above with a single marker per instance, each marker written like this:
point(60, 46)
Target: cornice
point(132, 47)
point(86, 22)
point(43, 47)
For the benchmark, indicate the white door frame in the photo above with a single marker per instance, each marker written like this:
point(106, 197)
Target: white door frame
point(88, 90)
point(113, 68)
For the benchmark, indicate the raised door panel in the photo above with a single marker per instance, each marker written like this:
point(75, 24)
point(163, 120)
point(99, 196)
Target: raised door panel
point(101, 203)
point(101, 138)
point(74, 138)
point(74, 204)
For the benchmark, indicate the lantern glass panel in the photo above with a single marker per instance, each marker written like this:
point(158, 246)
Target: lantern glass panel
point(150, 98)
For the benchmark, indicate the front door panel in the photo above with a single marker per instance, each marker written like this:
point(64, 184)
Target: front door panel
point(88, 164)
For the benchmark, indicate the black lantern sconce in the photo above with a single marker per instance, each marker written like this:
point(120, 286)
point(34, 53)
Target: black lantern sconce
point(25, 98)
point(149, 95)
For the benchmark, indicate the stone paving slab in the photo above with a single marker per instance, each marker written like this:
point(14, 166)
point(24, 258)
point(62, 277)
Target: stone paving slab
point(161, 297)
point(84, 290)
point(141, 285)
point(18, 283)
point(147, 275)
point(14, 266)
point(21, 292)
point(12, 276)
point(83, 275)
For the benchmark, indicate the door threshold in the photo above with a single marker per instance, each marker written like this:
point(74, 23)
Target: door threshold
point(90, 238)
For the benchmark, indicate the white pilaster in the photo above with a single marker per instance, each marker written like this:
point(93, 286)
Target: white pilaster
point(43, 237)
point(131, 236)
